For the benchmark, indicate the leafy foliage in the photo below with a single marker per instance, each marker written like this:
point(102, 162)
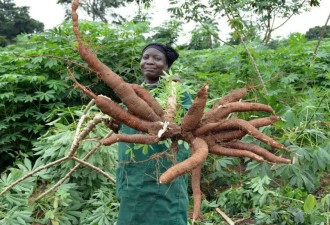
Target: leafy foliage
point(35, 86)
point(264, 12)
point(167, 33)
point(202, 38)
point(314, 32)
point(80, 201)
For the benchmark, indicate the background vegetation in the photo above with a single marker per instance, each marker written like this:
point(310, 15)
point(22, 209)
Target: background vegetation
point(39, 109)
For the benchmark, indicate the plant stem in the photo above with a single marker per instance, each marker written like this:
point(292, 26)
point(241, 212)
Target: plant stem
point(281, 196)
point(32, 173)
point(94, 168)
point(73, 169)
point(248, 52)
point(310, 119)
point(320, 39)
point(229, 221)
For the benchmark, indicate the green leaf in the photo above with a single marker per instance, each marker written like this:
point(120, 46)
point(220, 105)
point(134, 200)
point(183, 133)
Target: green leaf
point(51, 62)
point(61, 127)
point(13, 117)
point(290, 119)
point(29, 98)
point(145, 149)
point(6, 95)
point(28, 164)
point(45, 95)
point(37, 60)
point(310, 203)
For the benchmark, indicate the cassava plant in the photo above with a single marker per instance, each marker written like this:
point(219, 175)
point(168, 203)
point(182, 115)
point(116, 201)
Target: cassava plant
point(212, 132)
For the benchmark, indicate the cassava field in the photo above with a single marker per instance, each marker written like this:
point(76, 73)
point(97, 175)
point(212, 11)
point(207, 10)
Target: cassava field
point(58, 155)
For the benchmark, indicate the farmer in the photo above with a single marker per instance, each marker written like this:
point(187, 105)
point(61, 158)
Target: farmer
point(143, 201)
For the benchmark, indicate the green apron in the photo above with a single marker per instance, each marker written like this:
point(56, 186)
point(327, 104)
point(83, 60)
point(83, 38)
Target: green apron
point(143, 201)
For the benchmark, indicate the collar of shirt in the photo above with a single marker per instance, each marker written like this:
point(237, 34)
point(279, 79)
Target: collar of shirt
point(150, 86)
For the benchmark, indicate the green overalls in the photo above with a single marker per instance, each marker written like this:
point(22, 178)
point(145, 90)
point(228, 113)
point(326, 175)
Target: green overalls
point(143, 201)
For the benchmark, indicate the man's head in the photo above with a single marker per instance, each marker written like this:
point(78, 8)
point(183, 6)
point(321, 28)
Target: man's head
point(156, 58)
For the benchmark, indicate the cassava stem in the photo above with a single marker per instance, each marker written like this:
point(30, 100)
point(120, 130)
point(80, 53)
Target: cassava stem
point(61, 181)
point(32, 173)
point(171, 106)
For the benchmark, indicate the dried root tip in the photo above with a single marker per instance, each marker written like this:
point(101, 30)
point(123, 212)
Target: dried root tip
point(257, 150)
point(197, 158)
point(146, 96)
point(195, 112)
point(219, 150)
point(174, 146)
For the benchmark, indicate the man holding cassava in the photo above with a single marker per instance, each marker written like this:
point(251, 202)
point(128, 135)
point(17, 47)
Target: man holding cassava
point(143, 201)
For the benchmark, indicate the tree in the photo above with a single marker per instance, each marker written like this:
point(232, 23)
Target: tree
point(314, 32)
point(168, 32)
point(98, 9)
point(259, 15)
point(16, 20)
point(201, 39)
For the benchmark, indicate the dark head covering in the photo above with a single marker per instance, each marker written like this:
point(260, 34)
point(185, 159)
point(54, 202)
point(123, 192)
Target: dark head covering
point(170, 54)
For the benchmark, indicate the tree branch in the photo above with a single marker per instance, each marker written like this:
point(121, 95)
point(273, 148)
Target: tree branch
point(32, 173)
point(320, 39)
point(248, 52)
point(94, 168)
point(60, 182)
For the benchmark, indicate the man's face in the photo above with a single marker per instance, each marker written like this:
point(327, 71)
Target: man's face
point(152, 64)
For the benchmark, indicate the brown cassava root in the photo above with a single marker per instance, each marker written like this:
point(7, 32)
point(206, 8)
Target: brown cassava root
point(191, 120)
point(209, 132)
point(199, 154)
